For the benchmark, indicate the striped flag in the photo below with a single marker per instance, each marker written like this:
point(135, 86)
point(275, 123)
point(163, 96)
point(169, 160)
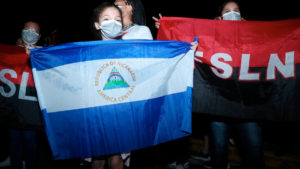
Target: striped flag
point(243, 69)
point(19, 108)
point(106, 97)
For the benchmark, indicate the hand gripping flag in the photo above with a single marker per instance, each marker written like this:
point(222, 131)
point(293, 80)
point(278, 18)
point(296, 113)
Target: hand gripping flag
point(107, 97)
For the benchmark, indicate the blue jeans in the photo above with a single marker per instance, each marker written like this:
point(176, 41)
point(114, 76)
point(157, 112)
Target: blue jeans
point(249, 142)
point(22, 147)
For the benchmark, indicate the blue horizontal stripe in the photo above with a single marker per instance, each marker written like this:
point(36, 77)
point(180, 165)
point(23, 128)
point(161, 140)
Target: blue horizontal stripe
point(118, 128)
point(49, 57)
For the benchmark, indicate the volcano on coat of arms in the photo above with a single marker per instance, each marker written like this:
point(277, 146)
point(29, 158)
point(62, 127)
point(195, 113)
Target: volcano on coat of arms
point(115, 80)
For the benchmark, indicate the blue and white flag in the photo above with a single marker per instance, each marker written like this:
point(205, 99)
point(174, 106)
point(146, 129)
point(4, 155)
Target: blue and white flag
point(106, 97)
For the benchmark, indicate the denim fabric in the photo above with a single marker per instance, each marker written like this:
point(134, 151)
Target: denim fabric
point(22, 147)
point(249, 140)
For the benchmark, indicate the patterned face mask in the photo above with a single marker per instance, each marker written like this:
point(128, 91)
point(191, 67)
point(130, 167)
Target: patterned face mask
point(232, 15)
point(30, 36)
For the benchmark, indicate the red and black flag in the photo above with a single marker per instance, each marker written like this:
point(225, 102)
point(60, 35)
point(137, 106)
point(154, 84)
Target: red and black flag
point(243, 69)
point(19, 106)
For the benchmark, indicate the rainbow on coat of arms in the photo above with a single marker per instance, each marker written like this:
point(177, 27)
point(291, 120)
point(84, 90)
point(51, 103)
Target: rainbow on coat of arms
point(115, 80)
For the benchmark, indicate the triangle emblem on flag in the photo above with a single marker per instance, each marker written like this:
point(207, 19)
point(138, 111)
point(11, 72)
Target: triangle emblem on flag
point(115, 80)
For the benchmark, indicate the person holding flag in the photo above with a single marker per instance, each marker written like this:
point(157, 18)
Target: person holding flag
point(23, 145)
point(107, 20)
point(249, 131)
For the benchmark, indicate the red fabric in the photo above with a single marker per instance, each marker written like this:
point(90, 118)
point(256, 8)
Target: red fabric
point(260, 39)
point(14, 58)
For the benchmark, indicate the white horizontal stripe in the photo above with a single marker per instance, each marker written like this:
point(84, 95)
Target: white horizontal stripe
point(75, 86)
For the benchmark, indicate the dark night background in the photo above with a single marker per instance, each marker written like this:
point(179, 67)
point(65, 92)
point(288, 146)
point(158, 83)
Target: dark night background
point(71, 19)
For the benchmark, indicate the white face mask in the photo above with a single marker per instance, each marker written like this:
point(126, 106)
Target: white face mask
point(111, 29)
point(30, 36)
point(232, 15)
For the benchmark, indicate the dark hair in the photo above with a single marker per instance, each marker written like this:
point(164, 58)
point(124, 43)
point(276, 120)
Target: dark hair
point(225, 3)
point(96, 14)
point(138, 12)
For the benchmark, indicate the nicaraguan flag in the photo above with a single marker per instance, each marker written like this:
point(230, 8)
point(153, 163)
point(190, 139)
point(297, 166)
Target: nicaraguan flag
point(106, 97)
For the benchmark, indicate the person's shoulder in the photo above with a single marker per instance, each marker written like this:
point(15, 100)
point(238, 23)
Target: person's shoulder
point(141, 27)
point(138, 32)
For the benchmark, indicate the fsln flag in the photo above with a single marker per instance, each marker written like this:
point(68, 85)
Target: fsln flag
point(19, 107)
point(244, 69)
point(107, 97)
